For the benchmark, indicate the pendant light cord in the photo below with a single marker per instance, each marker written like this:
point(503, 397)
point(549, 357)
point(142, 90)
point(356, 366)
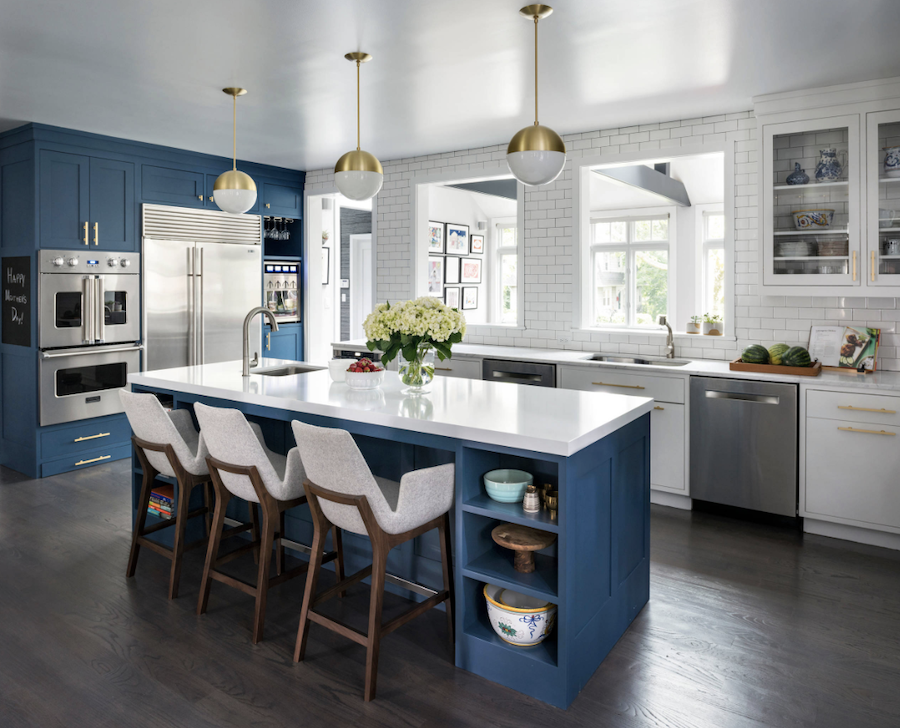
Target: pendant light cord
point(535, 71)
point(357, 104)
point(234, 135)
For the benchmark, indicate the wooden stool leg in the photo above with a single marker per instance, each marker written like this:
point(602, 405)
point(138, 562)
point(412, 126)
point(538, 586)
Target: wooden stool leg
point(212, 551)
point(141, 517)
point(447, 564)
point(337, 544)
point(309, 593)
point(262, 579)
point(181, 519)
point(279, 546)
point(208, 502)
point(254, 529)
point(376, 603)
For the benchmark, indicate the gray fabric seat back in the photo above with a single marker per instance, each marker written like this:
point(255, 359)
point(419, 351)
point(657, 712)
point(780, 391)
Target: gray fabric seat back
point(231, 439)
point(150, 422)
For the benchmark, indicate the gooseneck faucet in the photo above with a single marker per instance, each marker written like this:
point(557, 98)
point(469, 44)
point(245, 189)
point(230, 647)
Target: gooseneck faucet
point(247, 319)
point(670, 339)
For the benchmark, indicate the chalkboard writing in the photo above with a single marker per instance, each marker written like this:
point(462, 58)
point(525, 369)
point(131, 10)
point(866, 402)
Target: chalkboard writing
point(16, 309)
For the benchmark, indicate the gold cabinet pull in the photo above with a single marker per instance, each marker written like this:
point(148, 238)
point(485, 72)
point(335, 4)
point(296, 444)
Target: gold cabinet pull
point(86, 233)
point(93, 460)
point(867, 432)
point(91, 437)
point(199, 197)
point(443, 369)
point(96, 233)
point(854, 265)
point(659, 408)
point(867, 409)
point(268, 206)
point(268, 341)
point(621, 386)
point(211, 198)
point(872, 267)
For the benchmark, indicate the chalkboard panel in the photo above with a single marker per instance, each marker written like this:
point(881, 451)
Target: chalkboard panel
point(16, 309)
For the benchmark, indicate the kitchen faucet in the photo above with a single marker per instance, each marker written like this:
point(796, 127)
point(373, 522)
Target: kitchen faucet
point(247, 319)
point(670, 340)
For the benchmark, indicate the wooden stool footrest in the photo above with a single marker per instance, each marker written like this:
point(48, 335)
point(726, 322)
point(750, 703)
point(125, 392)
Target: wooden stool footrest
point(231, 581)
point(421, 607)
point(339, 627)
point(342, 585)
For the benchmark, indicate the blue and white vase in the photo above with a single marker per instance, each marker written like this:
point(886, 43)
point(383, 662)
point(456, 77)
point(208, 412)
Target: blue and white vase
point(892, 161)
point(828, 169)
point(798, 176)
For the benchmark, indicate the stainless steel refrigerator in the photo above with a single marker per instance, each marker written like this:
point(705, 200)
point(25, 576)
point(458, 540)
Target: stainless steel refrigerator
point(196, 296)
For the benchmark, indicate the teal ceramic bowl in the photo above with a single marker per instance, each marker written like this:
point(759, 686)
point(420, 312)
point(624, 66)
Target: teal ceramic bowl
point(507, 486)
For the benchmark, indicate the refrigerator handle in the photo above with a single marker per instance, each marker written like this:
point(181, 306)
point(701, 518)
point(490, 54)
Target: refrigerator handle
point(99, 310)
point(192, 327)
point(200, 310)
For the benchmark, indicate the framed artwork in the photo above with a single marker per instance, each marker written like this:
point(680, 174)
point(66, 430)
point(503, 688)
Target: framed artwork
point(326, 265)
point(477, 244)
point(469, 297)
point(435, 275)
point(451, 297)
point(451, 270)
point(471, 270)
point(435, 237)
point(457, 239)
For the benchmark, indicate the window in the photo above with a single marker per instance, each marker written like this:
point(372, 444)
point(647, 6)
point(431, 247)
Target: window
point(629, 261)
point(506, 255)
point(712, 260)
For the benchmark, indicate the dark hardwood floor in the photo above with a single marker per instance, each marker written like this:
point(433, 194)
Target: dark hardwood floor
point(747, 625)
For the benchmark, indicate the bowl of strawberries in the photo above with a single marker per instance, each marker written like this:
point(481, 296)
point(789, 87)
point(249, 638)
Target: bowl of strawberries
point(364, 374)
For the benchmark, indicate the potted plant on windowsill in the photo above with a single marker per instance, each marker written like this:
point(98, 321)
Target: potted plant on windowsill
point(712, 324)
point(694, 325)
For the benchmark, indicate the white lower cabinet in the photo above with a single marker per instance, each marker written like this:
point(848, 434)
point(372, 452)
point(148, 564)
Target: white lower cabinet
point(458, 367)
point(668, 420)
point(852, 467)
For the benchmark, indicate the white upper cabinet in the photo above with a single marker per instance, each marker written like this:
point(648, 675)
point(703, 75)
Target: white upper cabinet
point(834, 227)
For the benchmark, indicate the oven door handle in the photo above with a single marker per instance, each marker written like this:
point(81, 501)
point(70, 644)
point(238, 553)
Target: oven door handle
point(99, 311)
point(87, 310)
point(85, 352)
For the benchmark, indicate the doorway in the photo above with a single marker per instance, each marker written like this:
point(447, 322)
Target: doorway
point(362, 296)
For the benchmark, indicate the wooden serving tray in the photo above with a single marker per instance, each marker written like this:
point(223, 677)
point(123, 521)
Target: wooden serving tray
point(811, 371)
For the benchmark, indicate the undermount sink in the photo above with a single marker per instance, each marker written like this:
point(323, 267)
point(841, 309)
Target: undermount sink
point(637, 360)
point(287, 371)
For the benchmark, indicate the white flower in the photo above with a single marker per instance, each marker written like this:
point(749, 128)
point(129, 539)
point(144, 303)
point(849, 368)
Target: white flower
point(426, 317)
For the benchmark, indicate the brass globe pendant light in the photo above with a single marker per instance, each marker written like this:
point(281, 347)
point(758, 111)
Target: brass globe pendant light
point(358, 174)
point(536, 154)
point(234, 191)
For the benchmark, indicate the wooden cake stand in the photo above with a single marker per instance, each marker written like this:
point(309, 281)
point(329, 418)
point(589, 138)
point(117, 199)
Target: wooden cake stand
point(524, 541)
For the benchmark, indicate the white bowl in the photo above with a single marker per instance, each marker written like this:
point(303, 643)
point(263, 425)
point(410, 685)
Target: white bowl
point(363, 380)
point(507, 485)
point(518, 619)
point(337, 368)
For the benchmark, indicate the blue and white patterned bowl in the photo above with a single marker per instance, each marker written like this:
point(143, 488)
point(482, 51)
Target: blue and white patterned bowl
point(891, 161)
point(518, 619)
point(813, 219)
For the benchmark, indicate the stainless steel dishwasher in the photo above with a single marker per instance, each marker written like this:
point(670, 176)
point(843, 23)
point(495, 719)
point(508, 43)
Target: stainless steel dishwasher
point(744, 444)
point(519, 372)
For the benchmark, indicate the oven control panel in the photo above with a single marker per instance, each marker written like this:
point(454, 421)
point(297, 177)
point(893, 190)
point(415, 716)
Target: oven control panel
point(67, 261)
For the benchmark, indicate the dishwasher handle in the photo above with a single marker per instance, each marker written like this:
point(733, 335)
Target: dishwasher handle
point(516, 376)
point(743, 396)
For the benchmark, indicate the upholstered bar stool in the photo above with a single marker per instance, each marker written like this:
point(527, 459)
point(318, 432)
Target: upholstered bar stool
point(241, 465)
point(166, 443)
point(343, 492)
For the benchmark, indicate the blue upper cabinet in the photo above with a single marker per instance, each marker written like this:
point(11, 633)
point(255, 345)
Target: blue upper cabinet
point(281, 200)
point(173, 186)
point(112, 205)
point(64, 200)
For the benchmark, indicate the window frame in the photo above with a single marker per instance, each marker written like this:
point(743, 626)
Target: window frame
point(495, 285)
point(630, 247)
point(705, 244)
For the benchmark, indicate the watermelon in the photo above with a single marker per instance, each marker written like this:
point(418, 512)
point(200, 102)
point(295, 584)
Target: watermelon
point(755, 354)
point(776, 352)
point(796, 356)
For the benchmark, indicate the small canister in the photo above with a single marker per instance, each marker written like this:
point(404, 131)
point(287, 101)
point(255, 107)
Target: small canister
point(532, 501)
point(892, 246)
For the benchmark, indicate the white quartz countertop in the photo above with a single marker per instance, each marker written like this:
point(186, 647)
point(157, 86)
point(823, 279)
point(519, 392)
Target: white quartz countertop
point(692, 367)
point(552, 421)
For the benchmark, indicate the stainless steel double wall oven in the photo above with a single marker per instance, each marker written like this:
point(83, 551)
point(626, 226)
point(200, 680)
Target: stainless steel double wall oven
point(88, 332)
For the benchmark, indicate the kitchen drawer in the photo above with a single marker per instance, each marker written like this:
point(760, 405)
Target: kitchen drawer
point(868, 408)
point(463, 368)
point(80, 461)
point(851, 475)
point(617, 381)
point(667, 447)
point(86, 435)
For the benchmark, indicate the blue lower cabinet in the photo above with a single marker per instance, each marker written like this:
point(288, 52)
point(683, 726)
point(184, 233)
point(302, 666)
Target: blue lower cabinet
point(286, 343)
point(85, 460)
point(74, 446)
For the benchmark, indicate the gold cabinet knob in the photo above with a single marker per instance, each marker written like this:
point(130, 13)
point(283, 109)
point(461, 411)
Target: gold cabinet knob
point(211, 198)
point(199, 197)
point(268, 205)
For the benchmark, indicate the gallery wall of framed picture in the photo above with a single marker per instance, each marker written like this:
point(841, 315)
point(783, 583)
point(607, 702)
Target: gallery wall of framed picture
point(454, 258)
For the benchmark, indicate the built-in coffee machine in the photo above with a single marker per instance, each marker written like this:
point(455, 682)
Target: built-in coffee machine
point(282, 288)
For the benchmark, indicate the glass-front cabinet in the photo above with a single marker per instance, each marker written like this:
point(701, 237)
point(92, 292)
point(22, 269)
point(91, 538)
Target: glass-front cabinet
point(810, 203)
point(883, 198)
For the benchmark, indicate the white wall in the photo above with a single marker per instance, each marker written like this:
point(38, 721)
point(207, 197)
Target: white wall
point(551, 234)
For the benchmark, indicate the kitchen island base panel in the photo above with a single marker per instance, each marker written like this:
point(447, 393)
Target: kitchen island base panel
point(597, 572)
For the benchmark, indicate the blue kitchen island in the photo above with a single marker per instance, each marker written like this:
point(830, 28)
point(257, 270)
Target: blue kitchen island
point(594, 447)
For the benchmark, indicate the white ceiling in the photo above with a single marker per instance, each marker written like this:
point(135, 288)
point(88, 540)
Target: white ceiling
point(446, 76)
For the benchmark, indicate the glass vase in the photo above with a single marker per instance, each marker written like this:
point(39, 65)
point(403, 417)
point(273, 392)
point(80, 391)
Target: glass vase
point(417, 373)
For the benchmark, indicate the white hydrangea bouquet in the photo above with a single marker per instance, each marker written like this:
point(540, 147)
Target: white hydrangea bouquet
point(413, 329)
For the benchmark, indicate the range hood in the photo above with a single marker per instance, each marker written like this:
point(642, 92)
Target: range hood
point(654, 180)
